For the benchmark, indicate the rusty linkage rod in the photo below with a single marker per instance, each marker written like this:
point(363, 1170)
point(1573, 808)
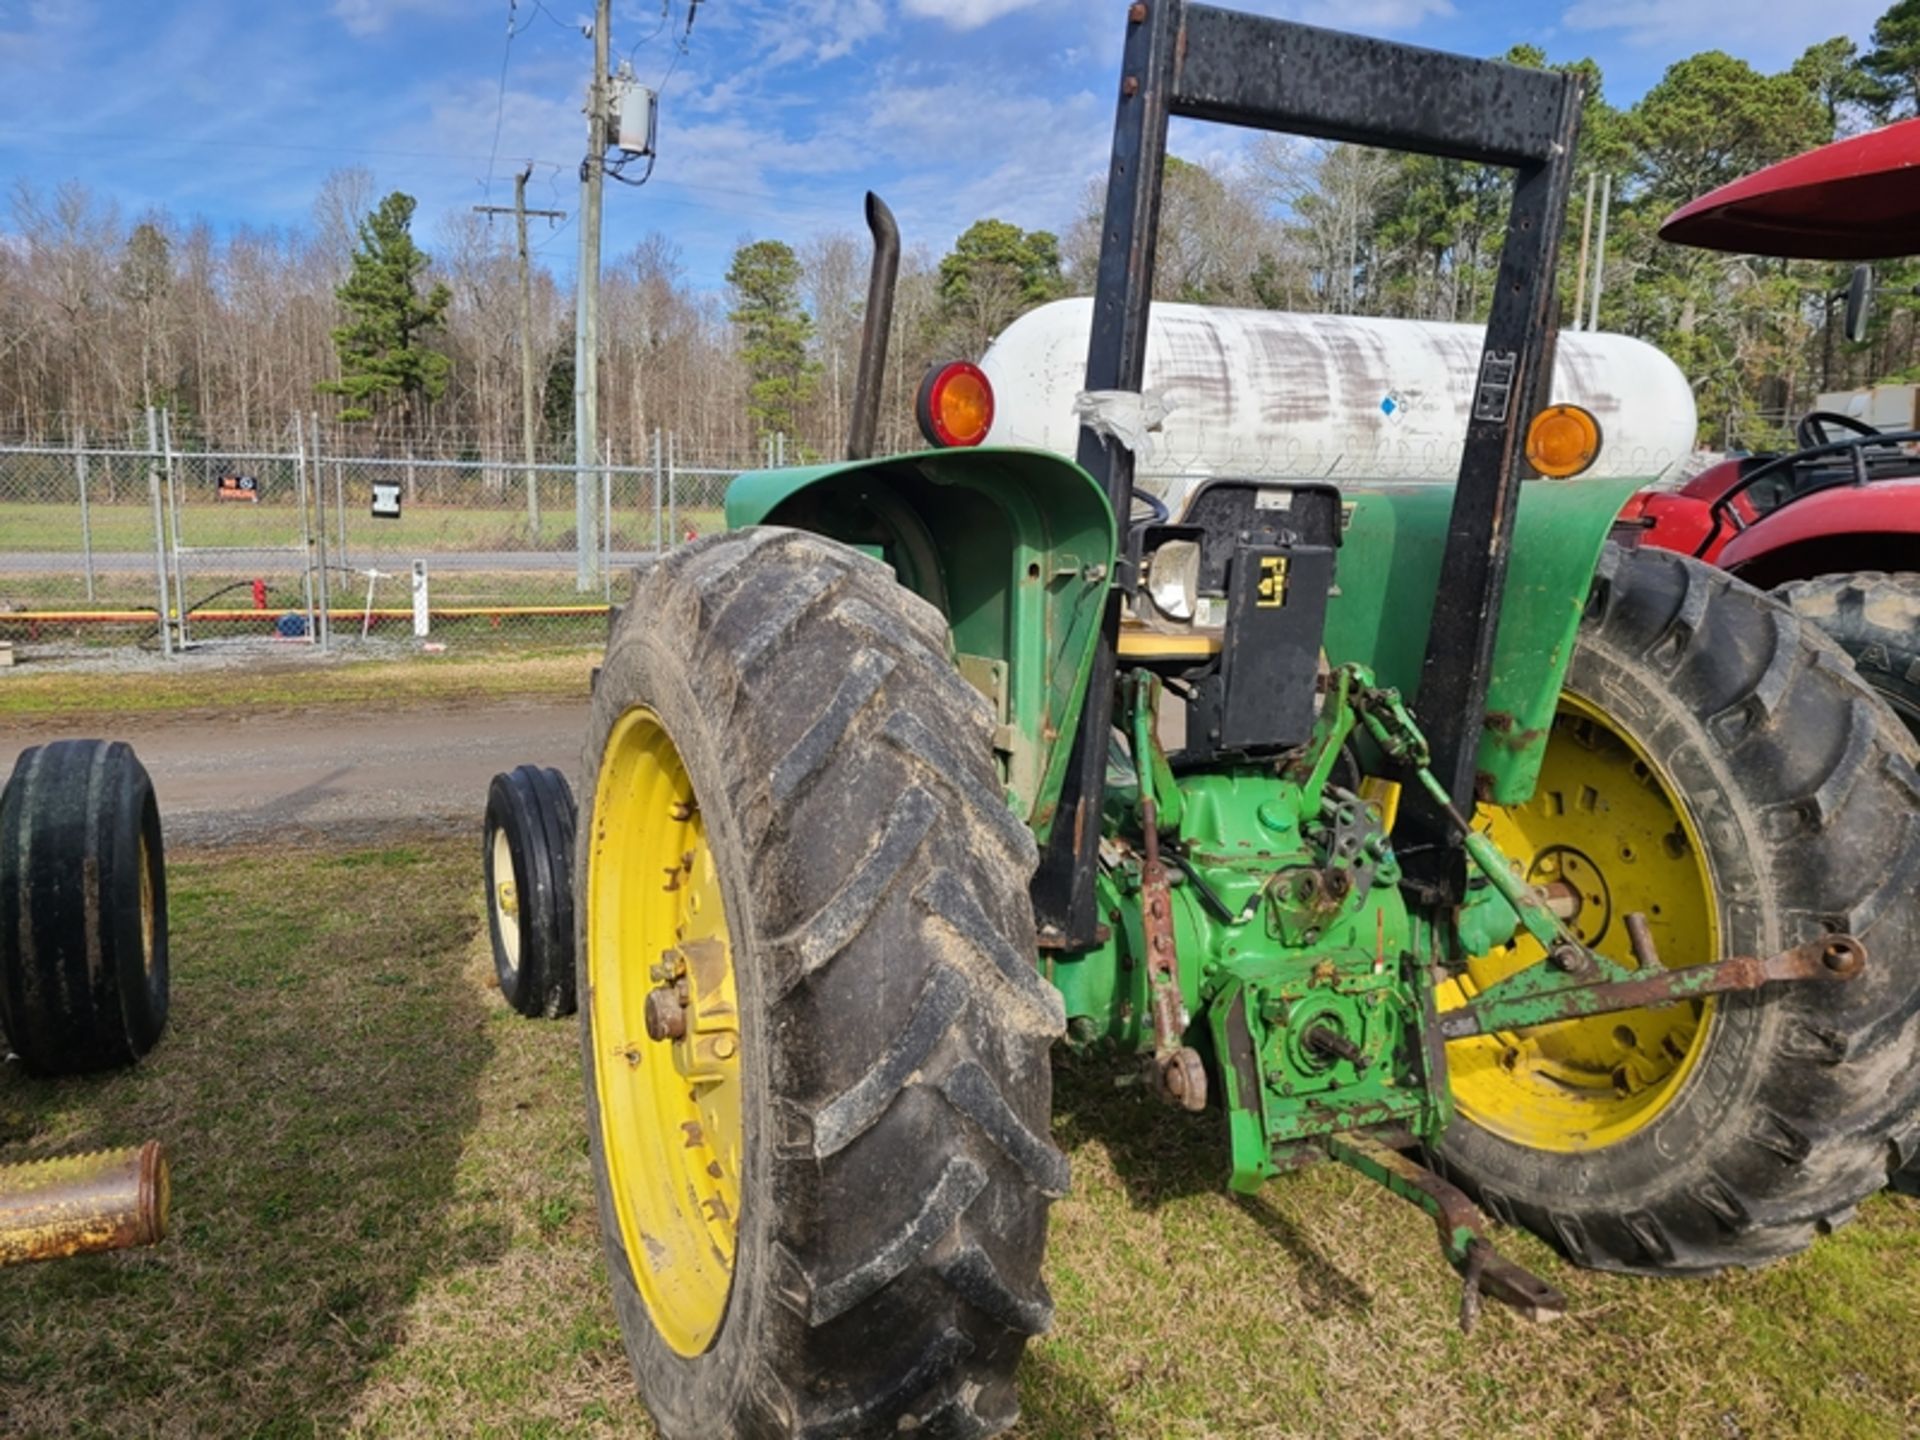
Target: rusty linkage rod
point(1462, 1228)
point(83, 1204)
point(1514, 1006)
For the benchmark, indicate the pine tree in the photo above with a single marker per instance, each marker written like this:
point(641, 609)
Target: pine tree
point(1893, 65)
point(774, 330)
point(386, 364)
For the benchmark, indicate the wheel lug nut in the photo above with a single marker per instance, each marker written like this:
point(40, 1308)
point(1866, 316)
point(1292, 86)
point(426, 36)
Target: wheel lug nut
point(724, 1047)
point(666, 1018)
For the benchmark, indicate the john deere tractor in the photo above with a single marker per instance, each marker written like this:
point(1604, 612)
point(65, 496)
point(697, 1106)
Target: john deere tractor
point(935, 762)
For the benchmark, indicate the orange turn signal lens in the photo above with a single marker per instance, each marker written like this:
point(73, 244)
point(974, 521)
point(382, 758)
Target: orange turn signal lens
point(1563, 441)
point(955, 405)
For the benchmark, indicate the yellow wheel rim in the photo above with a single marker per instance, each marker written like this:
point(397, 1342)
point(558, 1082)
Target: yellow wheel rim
point(670, 1108)
point(506, 899)
point(1606, 824)
point(146, 908)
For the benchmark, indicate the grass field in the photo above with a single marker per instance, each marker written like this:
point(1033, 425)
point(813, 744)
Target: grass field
point(66, 695)
point(383, 1225)
point(422, 528)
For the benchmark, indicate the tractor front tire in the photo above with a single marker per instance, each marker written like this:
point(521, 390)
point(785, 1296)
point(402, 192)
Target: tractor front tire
point(83, 908)
point(1704, 731)
point(1875, 618)
point(814, 1035)
point(527, 855)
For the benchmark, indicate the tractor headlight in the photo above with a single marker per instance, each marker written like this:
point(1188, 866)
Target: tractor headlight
point(1173, 580)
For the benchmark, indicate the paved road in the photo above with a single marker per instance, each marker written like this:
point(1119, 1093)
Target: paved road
point(397, 560)
point(225, 780)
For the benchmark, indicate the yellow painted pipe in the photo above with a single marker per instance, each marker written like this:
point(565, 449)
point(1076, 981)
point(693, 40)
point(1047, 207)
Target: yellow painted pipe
point(83, 1204)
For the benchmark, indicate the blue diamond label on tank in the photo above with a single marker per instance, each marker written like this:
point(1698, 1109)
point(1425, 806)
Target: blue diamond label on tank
point(1392, 403)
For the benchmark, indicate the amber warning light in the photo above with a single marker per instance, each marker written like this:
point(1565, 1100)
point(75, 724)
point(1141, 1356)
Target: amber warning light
point(1562, 441)
point(955, 406)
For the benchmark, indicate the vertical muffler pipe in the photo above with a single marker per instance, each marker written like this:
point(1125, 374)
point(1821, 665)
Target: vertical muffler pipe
point(83, 1204)
point(865, 421)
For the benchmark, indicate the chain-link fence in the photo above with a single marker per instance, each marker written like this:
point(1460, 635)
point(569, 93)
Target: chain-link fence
point(310, 546)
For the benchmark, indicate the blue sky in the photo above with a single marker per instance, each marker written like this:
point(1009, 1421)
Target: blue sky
point(778, 116)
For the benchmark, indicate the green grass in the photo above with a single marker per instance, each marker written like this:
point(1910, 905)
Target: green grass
point(384, 1226)
point(66, 695)
point(422, 528)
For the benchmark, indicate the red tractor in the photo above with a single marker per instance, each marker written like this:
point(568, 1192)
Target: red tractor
point(1833, 526)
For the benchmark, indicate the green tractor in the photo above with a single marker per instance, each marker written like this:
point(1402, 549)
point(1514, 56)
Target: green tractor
point(934, 762)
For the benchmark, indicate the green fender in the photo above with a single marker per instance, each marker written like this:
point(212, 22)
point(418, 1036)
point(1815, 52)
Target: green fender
point(1389, 568)
point(1015, 547)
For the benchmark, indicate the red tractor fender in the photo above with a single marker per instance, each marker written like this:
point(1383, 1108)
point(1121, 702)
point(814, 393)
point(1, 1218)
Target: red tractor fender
point(1850, 527)
point(1683, 519)
point(1669, 520)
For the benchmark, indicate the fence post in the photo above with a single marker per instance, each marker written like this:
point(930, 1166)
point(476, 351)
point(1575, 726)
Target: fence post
point(301, 478)
point(173, 510)
point(339, 487)
point(86, 520)
point(159, 531)
point(318, 478)
point(673, 526)
point(657, 545)
point(606, 517)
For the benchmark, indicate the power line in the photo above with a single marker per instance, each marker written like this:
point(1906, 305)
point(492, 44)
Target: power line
point(554, 234)
point(552, 17)
point(666, 8)
point(680, 50)
point(500, 101)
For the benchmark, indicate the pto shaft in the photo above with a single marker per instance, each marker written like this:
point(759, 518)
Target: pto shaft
point(83, 1204)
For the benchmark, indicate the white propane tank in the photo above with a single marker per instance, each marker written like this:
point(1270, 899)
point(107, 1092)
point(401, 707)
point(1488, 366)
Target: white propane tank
point(1340, 397)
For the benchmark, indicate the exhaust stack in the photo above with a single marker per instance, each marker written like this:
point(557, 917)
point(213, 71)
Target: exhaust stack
point(865, 421)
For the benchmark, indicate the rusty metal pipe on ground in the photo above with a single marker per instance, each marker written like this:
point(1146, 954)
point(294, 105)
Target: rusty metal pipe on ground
point(83, 1204)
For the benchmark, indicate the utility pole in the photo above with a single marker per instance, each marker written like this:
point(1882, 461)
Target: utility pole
point(586, 337)
point(1600, 252)
point(1586, 238)
point(527, 412)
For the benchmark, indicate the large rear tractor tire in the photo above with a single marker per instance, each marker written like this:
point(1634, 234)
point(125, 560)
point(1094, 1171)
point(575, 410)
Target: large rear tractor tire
point(1875, 618)
point(83, 908)
point(815, 1040)
point(1724, 772)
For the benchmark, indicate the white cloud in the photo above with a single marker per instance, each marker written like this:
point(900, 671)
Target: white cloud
point(1375, 15)
point(370, 17)
point(963, 14)
point(1733, 25)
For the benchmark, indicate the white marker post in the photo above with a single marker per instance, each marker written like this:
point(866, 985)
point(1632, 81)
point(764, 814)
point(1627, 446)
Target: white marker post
point(420, 600)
